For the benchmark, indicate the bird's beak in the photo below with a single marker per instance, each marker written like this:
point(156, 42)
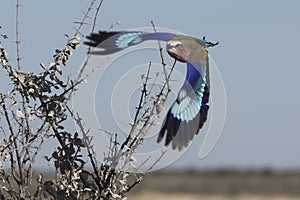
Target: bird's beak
point(210, 44)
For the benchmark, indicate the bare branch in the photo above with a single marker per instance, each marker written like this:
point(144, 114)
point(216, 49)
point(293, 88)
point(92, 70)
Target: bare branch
point(37, 107)
point(162, 57)
point(18, 42)
point(84, 17)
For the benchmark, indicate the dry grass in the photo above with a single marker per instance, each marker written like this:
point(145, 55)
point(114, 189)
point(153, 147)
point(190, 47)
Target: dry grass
point(148, 195)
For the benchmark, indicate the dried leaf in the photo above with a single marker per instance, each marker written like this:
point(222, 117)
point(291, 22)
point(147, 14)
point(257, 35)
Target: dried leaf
point(31, 91)
point(43, 66)
point(57, 51)
point(159, 106)
point(4, 36)
point(20, 114)
point(51, 113)
point(58, 69)
point(52, 64)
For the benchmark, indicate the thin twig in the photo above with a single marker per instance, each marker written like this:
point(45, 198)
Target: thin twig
point(143, 95)
point(84, 17)
point(96, 15)
point(163, 152)
point(162, 57)
point(135, 121)
point(81, 70)
point(17, 35)
point(13, 138)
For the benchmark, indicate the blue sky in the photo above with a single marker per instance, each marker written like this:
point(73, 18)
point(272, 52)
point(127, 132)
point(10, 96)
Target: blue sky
point(257, 57)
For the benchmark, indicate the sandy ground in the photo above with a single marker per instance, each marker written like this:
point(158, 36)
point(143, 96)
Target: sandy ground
point(218, 186)
point(148, 195)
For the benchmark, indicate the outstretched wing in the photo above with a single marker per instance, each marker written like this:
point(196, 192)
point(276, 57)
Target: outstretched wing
point(111, 42)
point(189, 112)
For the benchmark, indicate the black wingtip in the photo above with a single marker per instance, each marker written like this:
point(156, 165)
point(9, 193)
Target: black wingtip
point(180, 133)
point(96, 38)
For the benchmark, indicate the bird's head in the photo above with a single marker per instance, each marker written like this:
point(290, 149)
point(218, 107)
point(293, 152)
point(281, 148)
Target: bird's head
point(177, 50)
point(188, 49)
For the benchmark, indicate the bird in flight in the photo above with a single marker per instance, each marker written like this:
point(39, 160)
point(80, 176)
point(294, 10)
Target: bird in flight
point(189, 111)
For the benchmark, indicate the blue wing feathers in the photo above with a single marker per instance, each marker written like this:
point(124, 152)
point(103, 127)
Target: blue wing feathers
point(193, 73)
point(111, 42)
point(172, 126)
point(158, 36)
point(127, 39)
point(188, 114)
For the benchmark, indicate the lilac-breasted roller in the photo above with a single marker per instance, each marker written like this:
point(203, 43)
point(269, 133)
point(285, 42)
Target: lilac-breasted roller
point(189, 111)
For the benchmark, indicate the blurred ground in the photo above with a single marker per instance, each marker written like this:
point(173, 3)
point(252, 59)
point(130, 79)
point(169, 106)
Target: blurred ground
point(218, 185)
point(179, 196)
